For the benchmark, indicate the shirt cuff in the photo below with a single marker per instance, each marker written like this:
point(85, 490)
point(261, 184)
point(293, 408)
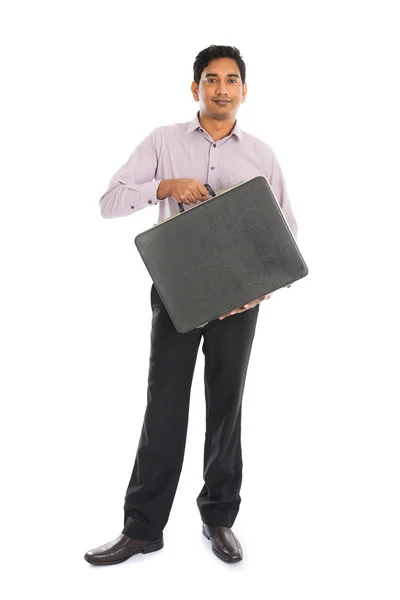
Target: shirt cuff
point(148, 192)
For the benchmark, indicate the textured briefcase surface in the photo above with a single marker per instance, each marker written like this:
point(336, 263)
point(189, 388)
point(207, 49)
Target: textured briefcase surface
point(221, 254)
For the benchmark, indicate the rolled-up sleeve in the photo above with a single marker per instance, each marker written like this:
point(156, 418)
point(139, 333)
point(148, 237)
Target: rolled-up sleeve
point(132, 187)
point(279, 188)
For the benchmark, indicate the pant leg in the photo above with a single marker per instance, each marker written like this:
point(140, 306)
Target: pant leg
point(227, 347)
point(161, 447)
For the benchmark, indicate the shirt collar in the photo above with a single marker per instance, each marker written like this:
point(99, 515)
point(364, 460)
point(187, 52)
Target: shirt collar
point(195, 124)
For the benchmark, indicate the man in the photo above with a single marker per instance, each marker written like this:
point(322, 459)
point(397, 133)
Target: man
point(171, 165)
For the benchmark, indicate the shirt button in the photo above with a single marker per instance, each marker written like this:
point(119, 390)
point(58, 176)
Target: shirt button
point(201, 130)
point(212, 168)
point(132, 207)
point(215, 145)
point(149, 202)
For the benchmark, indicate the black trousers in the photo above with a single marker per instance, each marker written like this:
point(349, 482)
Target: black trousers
point(227, 346)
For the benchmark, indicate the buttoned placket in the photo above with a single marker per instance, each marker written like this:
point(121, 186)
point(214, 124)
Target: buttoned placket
point(212, 171)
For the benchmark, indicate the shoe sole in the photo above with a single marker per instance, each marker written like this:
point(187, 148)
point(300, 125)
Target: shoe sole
point(144, 550)
point(228, 560)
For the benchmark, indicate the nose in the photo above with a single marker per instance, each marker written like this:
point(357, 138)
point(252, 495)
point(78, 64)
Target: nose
point(222, 90)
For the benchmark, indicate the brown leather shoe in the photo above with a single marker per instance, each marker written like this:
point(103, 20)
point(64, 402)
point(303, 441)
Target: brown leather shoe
point(224, 543)
point(120, 549)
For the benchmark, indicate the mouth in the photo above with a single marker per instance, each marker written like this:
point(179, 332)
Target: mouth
point(222, 102)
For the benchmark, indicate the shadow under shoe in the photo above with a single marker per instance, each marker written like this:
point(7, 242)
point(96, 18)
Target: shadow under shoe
point(120, 549)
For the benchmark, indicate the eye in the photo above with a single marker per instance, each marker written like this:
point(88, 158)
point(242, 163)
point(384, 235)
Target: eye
point(212, 79)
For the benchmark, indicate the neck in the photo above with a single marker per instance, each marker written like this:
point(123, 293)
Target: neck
point(217, 129)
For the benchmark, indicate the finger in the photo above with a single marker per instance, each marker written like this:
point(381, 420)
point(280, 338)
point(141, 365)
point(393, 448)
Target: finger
point(228, 314)
point(245, 306)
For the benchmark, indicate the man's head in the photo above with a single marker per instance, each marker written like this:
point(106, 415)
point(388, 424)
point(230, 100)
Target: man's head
point(219, 72)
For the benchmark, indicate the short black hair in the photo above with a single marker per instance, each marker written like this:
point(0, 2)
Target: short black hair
point(212, 52)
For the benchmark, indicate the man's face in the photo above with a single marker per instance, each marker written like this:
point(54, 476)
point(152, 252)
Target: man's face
point(220, 80)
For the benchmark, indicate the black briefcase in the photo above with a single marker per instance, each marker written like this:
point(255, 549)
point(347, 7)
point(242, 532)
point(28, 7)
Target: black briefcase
point(221, 254)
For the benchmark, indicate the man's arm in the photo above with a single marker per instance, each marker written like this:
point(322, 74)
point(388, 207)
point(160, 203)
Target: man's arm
point(132, 187)
point(278, 184)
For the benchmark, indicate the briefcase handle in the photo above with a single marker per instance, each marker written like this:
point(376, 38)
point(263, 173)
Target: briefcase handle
point(181, 209)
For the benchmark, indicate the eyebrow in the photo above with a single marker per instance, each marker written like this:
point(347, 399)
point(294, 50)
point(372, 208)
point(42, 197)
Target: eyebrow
point(215, 75)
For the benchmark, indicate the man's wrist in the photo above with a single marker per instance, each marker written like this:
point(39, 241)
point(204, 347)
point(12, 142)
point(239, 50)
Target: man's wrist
point(164, 189)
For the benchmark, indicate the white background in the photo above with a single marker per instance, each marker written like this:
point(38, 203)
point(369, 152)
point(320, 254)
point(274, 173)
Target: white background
point(83, 84)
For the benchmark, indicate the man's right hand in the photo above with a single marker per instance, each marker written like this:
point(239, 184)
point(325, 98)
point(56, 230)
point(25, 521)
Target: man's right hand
point(188, 191)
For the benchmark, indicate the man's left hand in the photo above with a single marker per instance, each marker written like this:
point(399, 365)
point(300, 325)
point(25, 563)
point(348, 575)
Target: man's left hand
point(245, 307)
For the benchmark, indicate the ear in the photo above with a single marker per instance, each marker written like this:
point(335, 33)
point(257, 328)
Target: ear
point(244, 92)
point(195, 90)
